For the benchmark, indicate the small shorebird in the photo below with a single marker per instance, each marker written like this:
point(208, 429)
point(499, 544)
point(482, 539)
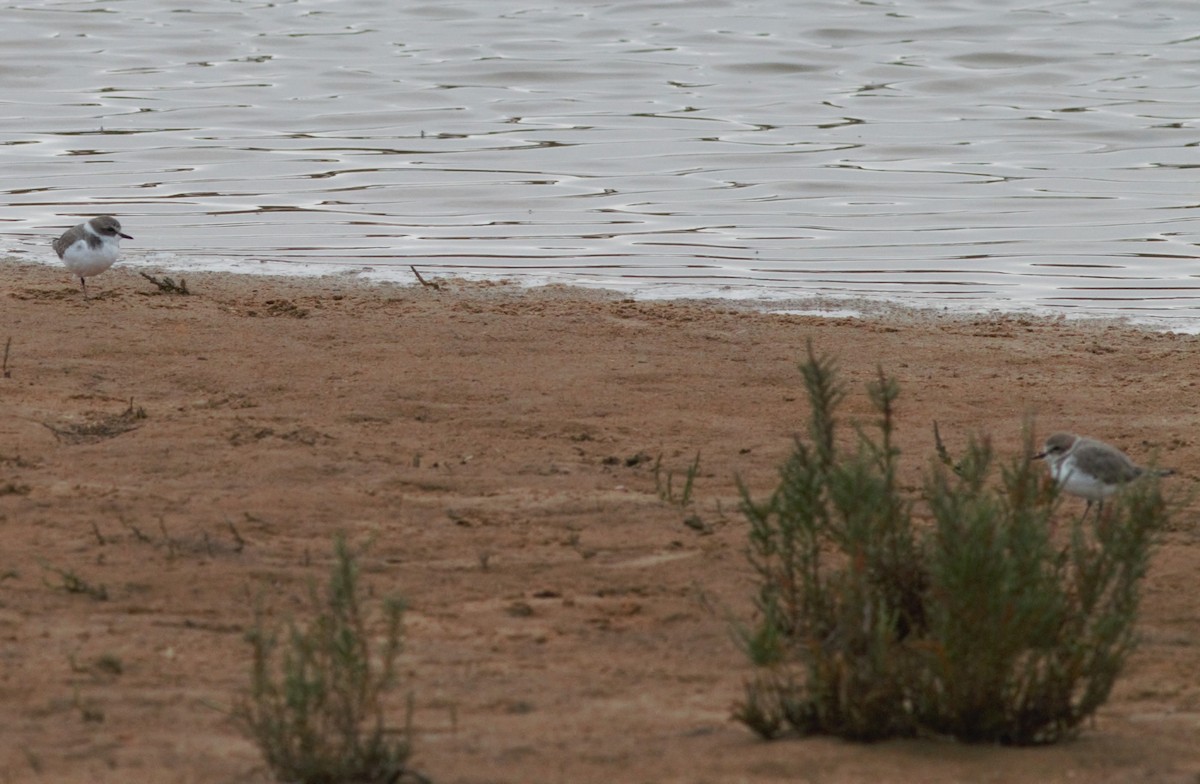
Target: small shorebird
point(90, 248)
point(1090, 469)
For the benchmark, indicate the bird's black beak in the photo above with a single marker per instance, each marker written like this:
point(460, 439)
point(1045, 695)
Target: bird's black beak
point(126, 236)
point(1038, 456)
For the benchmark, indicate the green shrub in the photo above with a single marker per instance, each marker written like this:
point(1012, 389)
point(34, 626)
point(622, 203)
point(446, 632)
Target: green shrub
point(317, 713)
point(970, 623)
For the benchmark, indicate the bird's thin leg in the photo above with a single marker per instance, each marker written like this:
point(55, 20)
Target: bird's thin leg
point(83, 282)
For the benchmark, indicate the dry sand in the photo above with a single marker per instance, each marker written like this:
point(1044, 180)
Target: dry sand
point(566, 625)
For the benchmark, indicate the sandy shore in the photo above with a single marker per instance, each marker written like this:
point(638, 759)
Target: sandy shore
point(495, 446)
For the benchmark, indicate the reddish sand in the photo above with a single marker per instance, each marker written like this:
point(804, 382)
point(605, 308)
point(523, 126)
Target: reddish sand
point(495, 448)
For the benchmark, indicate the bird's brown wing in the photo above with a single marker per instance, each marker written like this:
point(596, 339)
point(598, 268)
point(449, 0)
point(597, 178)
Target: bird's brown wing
point(1117, 466)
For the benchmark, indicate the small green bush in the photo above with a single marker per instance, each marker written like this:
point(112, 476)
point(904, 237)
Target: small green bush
point(317, 713)
point(974, 624)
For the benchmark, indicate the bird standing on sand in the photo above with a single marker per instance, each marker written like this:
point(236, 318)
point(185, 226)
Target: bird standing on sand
point(1090, 469)
point(90, 248)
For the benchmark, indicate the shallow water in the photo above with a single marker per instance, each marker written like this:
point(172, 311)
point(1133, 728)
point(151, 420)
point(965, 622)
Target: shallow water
point(945, 153)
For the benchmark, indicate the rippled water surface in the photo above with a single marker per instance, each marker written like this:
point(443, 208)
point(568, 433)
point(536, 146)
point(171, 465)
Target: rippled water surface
point(960, 153)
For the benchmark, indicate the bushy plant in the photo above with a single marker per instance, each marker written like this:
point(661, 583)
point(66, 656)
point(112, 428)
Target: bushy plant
point(316, 701)
point(881, 616)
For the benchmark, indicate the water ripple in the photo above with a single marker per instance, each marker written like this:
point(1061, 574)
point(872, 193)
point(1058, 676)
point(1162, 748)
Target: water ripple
point(952, 155)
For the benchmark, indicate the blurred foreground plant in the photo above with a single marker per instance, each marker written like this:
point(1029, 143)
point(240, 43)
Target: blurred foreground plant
point(974, 625)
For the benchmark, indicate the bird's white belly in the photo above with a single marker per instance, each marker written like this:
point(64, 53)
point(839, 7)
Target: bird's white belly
point(85, 261)
point(1081, 484)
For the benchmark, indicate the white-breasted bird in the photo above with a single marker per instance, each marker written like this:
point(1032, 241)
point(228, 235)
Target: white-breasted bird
point(91, 247)
point(1090, 469)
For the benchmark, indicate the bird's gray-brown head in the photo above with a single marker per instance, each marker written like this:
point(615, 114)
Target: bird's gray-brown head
point(108, 226)
point(1056, 447)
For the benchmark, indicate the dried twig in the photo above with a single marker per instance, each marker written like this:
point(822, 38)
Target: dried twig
point(168, 286)
point(162, 526)
point(237, 537)
point(426, 283)
point(137, 532)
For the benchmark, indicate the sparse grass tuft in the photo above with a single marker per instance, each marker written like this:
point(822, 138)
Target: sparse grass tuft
point(88, 712)
point(12, 488)
point(108, 663)
point(664, 482)
point(73, 583)
point(101, 428)
point(966, 620)
point(316, 701)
